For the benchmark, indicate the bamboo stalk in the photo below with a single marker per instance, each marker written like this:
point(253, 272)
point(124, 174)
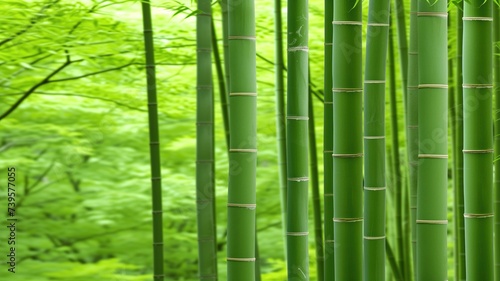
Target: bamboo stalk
point(297, 141)
point(154, 143)
point(433, 149)
point(478, 140)
point(496, 81)
point(241, 246)
point(374, 141)
point(348, 140)
point(328, 144)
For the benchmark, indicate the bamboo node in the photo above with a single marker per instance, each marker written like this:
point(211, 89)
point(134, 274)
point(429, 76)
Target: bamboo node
point(477, 18)
point(241, 37)
point(338, 22)
point(478, 216)
point(432, 221)
point(433, 14)
point(248, 150)
point(433, 86)
point(329, 241)
point(377, 24)
point(297, 233)
point(203, 50)
point(477, 151)
point(328, 195)
point(249, 206)
point(347, 219)
point(157, 243)
point(300, 48)
point(299, 179)
point(328, 44)
point(477, 86)
point(241, 259)
point(375, 81)
point(340, 155)
point(328, 102)
point(374, 137)
point(243, 94)
point(298, 118)
point(375, 188)
point(347, 90)
point(374, 237)
point(157, 212)
point(433, 156)
point(328, 151)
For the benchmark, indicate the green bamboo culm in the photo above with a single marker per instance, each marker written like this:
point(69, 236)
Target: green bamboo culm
point(478, 139)
point(348, 140)
point(297, 141)
point(496, 87)
point(280, 109)
point(374, 141)
point(329, 273)
point(433, 149)
point(154, 143)
point(205, 169)
point(243, 142)
point(459, 158)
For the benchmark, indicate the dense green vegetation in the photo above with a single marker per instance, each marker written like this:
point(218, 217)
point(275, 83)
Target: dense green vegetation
point(77, 121)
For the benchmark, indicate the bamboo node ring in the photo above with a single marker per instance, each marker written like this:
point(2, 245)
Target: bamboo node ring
point(374, 81)
point(298, 118)
point(243, 94)
point(300, 48)
point(477, 18)
point(477, 151)
point(347, 219)
point(241, 37)
point(375, 188)
point(477, 86)
point(241, 259)
point(328, 102)
point(299, 179)
point(433, 86)
point(432, 221)
point(328, 151)
point(297, 233)
point(341, 155)
point(374, 137)
point(374, 237)
point(478, 216)
point(377, 24)
point(433, 156)
point(328, 44)
point(330, 241)
point(338, 22)
point(432, 14)
point(249, 206)
point(328, 195)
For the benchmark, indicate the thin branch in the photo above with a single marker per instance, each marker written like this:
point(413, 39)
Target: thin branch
point(90, 74)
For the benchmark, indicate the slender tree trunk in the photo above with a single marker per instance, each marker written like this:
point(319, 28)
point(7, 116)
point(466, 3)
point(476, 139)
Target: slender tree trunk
point(328, 145)
point(348, 140)
point(297, 142)
point(374, 141)
point(433, 150)
point(280, 110)
point(154, 143)
point(478, 140)
point(243, 151)
point(205, 169)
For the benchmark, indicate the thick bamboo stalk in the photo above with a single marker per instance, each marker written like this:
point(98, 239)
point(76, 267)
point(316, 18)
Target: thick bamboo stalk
point(328, 145)
point(348, 140)
point(154, 143)
point(433, 149)
point(243, 151)
point(297, 142)
point(280, 109)
point(496, 84)
point(205, 168)
point(374, 141)
point(478, 140)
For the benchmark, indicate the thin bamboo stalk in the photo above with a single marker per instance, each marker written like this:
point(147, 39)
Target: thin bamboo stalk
point(496, 84)
point(316, 202)
point(328, 145)
point(297, 141)
point(348, 140)
point(154, 143)
point(478, 139)
point(241, 245)
point(433, 150)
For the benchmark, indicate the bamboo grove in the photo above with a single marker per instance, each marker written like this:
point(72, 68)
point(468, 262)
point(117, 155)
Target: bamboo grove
point(385, 213)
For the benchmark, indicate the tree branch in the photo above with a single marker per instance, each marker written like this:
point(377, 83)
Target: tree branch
point(90, 74)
